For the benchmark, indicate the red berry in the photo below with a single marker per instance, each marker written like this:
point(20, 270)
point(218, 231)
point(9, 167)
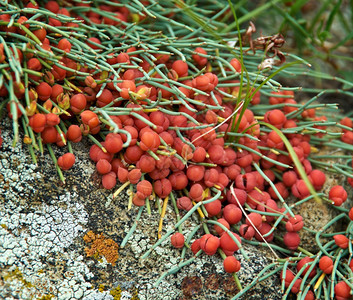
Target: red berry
point(44, 91)
point(301, 264)
point(342, 291)
point(113, 143)
point(109, 180)
point(49, 135)
point(41, 34)
point(289, 276)
point(196, 192)
point(300, 189)
point(350, 214)
point(134, 176)
point(318, 179)
point(295, 223)
point(103, 166)
point(195, 246)
point(53, 6)
point(341, 241)
point(227, 243)
point(64, 45)
point(92, 41)
point(289, 178)
point(180, 67)
point(246, 231)
point(326, 264)
point(122, 174)
point(263, 230)
point(236, 64)
point(78, 103)
point(209, 244)
point(123, 58)
point(178, 180)
point(150, 141)
point(162, 187)
point(177, 240)
point(275, 117)
point(74, 133)
point(337, 194)
point(213, 208)
point(255, 218)
point(90, 119)
point(232, 214)
point(52, 119)
point(200, 60)
point(195, 172)
point(231, 264)
point(66, 161)
point(218, 229)
point(146, 163)
point(37, 122)
point(291, 240)
point(144, 189)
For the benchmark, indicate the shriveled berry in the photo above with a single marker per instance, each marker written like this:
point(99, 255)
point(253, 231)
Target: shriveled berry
point(246, 231)
point(184, 203)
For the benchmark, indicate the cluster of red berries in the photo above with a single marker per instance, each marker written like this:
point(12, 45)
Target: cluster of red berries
point(324, 265)
point(180, 146)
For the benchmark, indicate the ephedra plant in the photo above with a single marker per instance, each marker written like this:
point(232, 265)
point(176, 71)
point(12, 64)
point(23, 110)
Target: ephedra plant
point(189, 117)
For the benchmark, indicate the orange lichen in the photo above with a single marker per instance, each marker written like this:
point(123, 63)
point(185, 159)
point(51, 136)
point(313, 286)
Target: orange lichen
point(100, 245)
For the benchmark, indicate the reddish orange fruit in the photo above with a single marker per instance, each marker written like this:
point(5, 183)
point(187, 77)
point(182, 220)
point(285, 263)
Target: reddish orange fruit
point(231, 264)
point(66, 161)
point(326, 264)
point(109, 180)
point(177, 240)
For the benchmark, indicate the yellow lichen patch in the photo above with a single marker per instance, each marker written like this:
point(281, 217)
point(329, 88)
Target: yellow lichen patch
point(100, 245)
point(17, 275)
point(116, 293)
point(46, 297)
point(101, 288)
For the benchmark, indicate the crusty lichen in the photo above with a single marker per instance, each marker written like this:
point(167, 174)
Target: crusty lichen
point(100, 245)
point(116, 293)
